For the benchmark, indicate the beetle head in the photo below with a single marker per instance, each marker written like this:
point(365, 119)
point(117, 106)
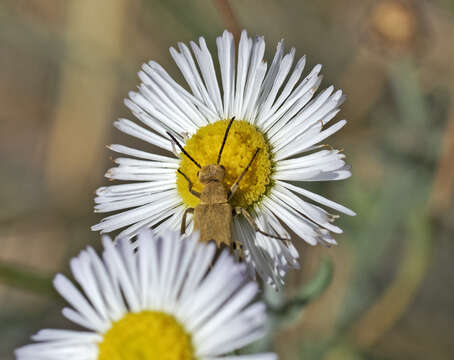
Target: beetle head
point(212, 172)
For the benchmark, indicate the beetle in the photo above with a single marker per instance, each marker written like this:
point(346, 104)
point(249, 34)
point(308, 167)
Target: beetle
point(214, 215)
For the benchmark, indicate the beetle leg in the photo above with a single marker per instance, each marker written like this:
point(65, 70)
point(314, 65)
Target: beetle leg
point(251, 221)
point(238, 250)
point(234, 186)
point(183, 221)
point(193, 192)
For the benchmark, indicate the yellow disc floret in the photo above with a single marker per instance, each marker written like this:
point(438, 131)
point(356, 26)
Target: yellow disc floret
point(147, 335)
point(242, 142)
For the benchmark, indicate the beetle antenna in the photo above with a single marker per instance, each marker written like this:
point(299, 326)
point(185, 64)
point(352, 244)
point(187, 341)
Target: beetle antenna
point(225, 139)
point(183, 150)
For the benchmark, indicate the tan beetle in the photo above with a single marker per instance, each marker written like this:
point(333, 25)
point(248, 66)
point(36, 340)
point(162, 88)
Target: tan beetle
point(213, 216)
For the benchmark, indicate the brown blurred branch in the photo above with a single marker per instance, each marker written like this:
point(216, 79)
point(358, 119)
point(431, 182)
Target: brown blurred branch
point(83, 111)
point(228, 17)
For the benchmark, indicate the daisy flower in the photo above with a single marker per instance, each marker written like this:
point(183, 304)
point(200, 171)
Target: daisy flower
point(276, 115)
point(156, 299)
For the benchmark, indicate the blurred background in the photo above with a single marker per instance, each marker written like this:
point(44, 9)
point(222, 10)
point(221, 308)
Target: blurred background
point(386, 292)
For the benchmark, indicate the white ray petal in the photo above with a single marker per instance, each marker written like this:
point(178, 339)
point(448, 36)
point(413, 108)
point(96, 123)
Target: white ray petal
point(206, 66)
point(130, 128)
point(309, 141)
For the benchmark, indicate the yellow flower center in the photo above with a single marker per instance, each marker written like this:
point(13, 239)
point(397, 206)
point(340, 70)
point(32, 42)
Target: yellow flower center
point(242, 142)
point(147, 335)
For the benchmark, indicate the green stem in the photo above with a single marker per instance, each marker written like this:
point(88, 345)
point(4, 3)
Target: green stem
point(309, 292)
point(29, 280)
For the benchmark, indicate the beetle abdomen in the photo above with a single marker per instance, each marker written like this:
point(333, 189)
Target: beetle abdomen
point(214, 222)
